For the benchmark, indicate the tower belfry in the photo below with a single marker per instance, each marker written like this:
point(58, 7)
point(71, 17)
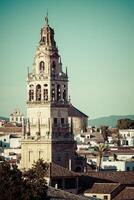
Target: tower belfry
point(50, 136)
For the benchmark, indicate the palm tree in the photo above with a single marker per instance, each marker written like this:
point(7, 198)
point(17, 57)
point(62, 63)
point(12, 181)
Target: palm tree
point(100, 152)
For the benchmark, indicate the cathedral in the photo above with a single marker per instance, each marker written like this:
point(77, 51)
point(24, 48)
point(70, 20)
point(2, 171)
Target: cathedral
point(47, 134)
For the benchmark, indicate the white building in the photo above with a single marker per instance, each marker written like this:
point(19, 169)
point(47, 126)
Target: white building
point(16, 117)
point(127, 137)
point(119, 165)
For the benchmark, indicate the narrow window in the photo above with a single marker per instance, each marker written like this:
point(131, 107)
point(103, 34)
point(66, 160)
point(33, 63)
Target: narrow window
point(41, 67)
point(64, 95)
point(45, 94)
point(53, 67)
point(53, 94)
point(55, 121)
point(38, 93)
point(128, 168)
point(58, 92)
point(62, 120)
point(31, 93)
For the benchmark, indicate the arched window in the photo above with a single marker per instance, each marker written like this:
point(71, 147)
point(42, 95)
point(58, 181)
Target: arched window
point(41, 66)
point(31, 93)
point(45, 94)
point(58, 92)
point(38, 93)
point(64, 95)
point(53, 94)
point(53, 67)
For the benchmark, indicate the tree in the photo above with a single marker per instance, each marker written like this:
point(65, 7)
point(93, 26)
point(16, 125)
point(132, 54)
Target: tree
point(105, 132)
point(31, 185)
point(125, 123)
point(10, 181)
point(100, 152)
point(34, 185)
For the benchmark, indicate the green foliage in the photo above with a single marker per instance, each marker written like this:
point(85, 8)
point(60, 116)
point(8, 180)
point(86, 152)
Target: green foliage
point(10, 181)
point(105, 132)
point(125, 123)
point(34, 182)
point(28, 186)
point(100, 151)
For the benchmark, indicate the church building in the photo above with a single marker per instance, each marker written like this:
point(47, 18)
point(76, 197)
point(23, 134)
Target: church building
point(47, 133)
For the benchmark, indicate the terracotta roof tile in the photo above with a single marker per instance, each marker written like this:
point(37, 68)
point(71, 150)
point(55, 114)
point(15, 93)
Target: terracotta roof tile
point(11, 129)
point(59, 171)
point(102, 188)
point(74, 112)
point(63, 195)
point(123, 177)
point(126, 194)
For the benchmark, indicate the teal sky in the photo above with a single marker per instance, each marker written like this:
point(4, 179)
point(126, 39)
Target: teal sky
point(95, 39)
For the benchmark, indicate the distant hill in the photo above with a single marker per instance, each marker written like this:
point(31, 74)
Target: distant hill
point(4, 118)
point(109, 120)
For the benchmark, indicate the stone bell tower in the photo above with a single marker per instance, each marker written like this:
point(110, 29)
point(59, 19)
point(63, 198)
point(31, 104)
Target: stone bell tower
point(47, 134)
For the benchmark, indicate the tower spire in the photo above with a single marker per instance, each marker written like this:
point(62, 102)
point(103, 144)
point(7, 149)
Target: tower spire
point(46, 18)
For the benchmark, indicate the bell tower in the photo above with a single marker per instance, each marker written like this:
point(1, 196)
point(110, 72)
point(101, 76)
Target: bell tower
point(47, 134)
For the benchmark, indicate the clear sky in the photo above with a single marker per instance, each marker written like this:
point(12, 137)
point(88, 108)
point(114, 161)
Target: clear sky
point(95, 39)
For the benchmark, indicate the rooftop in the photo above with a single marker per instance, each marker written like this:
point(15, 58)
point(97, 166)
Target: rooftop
point(123, 177)
point(126, 194)
point(62, 195)
point(105, 188)
point(59, 171)
point(74, 112)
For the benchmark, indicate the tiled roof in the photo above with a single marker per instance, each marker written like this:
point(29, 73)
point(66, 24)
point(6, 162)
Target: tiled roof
point(10, 129)
point(74, 112)
point(126, 194)
point(8, 124)
point(59, 171)
point(63, 195)
point(102, 188)
point(123, 177)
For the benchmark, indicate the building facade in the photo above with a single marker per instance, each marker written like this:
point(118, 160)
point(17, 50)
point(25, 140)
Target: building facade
point(16, 117)
point(47, 134)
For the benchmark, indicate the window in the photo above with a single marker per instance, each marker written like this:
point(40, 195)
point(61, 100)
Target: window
point(53, 67)
point(128, 168)
point(53, 94)
point(38, 93)
point(64, 95)
point(30, 156)
point(55, 120)
point(133, 168)
point(70, 183)
point(58, 92)
point(94, 195)
point(105, 197)
point(41, 154)
point(41, 66)
point(46, 94)
point(31, 92)
point(43, 39)
point(62, 120)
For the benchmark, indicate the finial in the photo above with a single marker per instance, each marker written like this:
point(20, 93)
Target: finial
point(69, 99)
point(46, 18)
point(27, 71)
point(66, 72)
